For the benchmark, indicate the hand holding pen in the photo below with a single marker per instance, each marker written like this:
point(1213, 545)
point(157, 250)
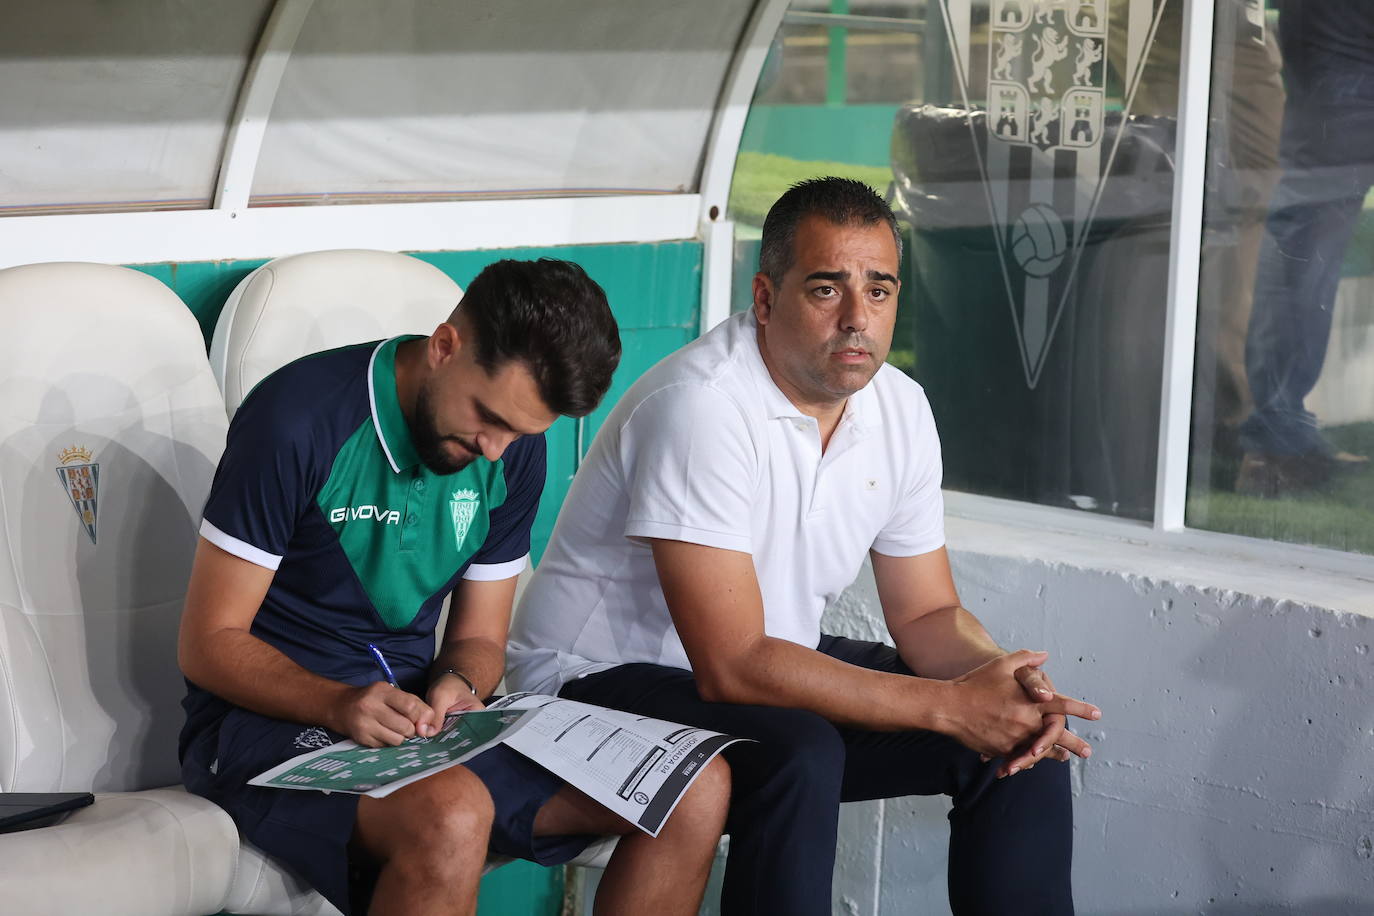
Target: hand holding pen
point(382, 714)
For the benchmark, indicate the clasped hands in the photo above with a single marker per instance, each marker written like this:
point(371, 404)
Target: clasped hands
point(380, 715)
point(1013, 711)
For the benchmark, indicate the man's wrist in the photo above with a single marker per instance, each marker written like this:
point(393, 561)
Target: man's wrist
point(937, 706)
point(331, 713)
point(456, 673)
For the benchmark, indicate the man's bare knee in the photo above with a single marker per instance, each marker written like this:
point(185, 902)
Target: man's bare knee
point(454, 811)
point(709, 796)
point(458, 822)
point(714, 781)
point(443, 815)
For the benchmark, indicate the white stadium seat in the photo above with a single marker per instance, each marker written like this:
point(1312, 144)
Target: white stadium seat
point(110, 428)
point(320, 300)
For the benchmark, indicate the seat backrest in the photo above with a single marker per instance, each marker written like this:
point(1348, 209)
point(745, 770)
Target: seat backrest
point(305, 303)
point(110, 429)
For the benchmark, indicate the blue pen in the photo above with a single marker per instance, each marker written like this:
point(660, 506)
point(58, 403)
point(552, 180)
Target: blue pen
point(381, 663)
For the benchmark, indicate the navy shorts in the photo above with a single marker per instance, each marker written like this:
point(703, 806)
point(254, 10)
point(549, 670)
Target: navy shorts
point(309, 832)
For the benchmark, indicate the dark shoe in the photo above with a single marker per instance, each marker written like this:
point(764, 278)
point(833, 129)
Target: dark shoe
point(1269, 475)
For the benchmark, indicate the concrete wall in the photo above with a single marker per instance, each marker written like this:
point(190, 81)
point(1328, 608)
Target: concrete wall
point(1233, 770)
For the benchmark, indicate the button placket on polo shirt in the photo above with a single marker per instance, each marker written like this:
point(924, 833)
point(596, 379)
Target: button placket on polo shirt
point(847, 436)
point(810, 432)
point(414, 514)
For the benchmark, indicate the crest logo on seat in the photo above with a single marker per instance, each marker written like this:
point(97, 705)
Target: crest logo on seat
point(80, 477)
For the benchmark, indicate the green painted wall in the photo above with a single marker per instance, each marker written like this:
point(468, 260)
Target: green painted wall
point(655, 292)
point(521, 889)
point(202, 285)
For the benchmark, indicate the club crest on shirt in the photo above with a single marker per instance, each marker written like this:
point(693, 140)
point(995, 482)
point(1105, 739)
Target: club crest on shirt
point(80, 478)
point(463, 506)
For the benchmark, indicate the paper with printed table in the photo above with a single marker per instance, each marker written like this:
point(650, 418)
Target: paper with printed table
point(636, 766)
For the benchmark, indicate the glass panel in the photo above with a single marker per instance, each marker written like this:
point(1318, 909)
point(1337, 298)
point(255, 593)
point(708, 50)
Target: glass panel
point(118, 106)
point(1028, 145)
point(1283, 413)
point(433, 98)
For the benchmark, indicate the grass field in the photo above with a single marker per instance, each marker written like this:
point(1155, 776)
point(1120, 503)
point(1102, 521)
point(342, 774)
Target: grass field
point(1339, 515)
point(760, 179)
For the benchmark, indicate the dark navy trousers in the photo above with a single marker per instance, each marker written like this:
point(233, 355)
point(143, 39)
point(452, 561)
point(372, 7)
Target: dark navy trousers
point(1011, 840)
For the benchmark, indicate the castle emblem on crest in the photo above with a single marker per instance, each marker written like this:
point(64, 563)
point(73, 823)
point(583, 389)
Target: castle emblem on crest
point(1045, 155)
point(80, 477)
point(463, 505)
point(1046, 74)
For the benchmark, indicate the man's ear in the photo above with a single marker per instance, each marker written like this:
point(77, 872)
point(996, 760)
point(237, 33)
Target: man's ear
point(764, 294)
point(444, 343)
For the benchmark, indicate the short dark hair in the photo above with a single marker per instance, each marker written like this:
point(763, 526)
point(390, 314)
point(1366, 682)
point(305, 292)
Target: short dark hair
point(842, 201)
point(551, 316)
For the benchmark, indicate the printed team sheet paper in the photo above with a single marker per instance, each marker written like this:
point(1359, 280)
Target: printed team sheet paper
point(347, 766)
point(637, 767)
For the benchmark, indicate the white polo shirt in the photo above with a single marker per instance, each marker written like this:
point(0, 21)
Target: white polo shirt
point(705, 448)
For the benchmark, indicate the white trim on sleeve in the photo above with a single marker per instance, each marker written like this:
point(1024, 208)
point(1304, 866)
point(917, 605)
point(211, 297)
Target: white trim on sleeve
point(241, 549)
point(664, 531)
point(495, 572)
point(895, 547)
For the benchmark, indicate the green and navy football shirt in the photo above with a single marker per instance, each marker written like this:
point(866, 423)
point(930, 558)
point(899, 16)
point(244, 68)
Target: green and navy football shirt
point(320, 481)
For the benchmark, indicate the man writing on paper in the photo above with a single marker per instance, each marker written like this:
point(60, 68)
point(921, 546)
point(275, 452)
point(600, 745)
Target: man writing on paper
point(733, 492)
point(358, 488)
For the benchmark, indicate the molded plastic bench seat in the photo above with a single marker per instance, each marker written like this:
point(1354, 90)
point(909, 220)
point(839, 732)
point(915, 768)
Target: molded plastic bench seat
point(110, 428)
point(155, 851)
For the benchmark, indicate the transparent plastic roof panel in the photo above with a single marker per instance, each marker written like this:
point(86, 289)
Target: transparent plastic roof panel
point(118, 106)
point(455, 98)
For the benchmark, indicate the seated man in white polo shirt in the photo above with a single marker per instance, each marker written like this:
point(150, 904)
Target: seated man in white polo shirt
point(733, 492)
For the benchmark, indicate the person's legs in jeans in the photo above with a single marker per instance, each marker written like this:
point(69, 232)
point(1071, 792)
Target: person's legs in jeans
point(1011, 839)
point(1327, 170)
